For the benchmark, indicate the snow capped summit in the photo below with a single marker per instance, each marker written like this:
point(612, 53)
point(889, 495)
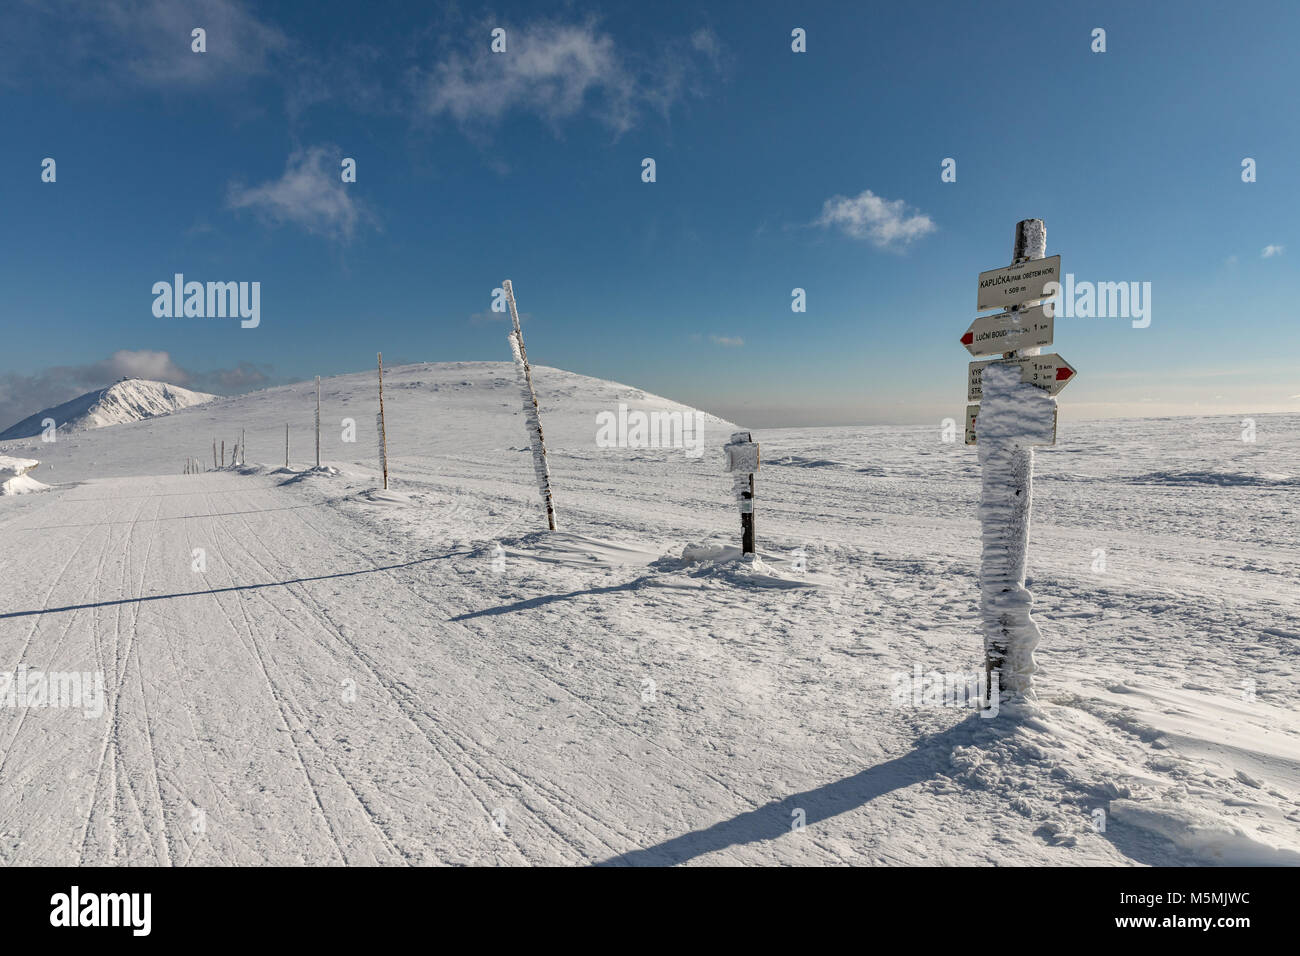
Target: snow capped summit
point(127, 400)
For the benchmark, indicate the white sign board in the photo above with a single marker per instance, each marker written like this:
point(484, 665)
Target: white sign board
point(1008, 331)
point(742, 457)
point(1015, 285)
point(1049, 372)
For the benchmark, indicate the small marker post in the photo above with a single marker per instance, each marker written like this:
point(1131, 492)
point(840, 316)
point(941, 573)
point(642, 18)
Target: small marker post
point(742, 461)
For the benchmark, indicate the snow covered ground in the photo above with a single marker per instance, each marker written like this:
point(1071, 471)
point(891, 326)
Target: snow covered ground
point(424, 675)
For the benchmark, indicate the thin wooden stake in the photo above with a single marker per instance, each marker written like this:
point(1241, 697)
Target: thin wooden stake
point(383, 434)
point(541, 467)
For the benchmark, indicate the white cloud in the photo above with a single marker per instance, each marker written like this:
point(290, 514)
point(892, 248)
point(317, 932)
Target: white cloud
point(142, 43)
point(728, 341)
point(124, 363)
point(557, 71)
point(310, 194)
point(1268, 252)
point(886, 223)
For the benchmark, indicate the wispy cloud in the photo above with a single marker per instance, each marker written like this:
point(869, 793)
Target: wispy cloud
point(727, 341)
point(557, 71)
point(310, 194)
point(885, 223)
point(1268, 252)
point(137, 43)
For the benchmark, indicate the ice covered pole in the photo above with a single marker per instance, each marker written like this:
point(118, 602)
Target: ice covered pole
point(383, 434)
point(1013, 418)
point(532, 414)
point(317, 421)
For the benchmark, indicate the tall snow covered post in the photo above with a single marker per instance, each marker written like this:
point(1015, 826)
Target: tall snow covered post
point(532, 413)
point(1013, 418)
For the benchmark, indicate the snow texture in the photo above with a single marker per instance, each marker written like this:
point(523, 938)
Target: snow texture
point(740, 480)
point(1013, 418)
point(352, 681)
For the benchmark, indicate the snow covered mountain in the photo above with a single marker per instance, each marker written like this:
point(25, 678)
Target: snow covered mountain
point(129, 400)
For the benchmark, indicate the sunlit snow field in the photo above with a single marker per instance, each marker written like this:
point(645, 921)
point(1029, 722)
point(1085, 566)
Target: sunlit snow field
point(361, 676)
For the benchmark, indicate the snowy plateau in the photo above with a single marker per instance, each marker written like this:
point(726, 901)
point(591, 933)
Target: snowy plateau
point(299, 667)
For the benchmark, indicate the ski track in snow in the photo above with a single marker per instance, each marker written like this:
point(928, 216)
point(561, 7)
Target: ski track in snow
point(351, 681)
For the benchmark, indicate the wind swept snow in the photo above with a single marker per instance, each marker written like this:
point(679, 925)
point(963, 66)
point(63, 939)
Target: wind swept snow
point(299, 667)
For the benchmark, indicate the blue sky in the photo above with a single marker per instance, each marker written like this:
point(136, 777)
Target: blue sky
point(473, 167)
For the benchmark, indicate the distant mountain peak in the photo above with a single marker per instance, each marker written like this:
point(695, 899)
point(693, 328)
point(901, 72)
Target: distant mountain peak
point(126, 400)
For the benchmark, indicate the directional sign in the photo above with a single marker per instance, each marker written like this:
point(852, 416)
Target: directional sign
point(1014, 285)
point(1049, 372)
point(1007, 331)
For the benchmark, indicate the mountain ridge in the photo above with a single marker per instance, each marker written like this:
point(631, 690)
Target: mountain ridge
point(126, 400)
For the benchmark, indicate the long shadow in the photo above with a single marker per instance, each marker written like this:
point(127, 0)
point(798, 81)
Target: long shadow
point(545, 599)
point(551, 598)
point(773, 820)
point(233, 587)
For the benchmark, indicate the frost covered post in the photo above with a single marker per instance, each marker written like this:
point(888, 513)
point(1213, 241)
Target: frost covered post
point(532, 414)
point(286, 444)
point(317, 421)
point(1017, 410)
point(742, 461)
point(383, 436)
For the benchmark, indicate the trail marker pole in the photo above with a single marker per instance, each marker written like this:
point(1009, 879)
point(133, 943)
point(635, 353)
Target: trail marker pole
point(1017, 411)
point(317, 421)
point(242, 459)
point(223, 453)
point(532, 414)
point(214, 453)
point(286, 444)
point(742, 461)
point(383, 434)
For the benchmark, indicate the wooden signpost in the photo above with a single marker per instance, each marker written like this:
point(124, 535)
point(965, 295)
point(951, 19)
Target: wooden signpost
point(1051, 373)
point(742, 462)
point(1022, 281)
point(1024, 329)
point(1016, 393)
